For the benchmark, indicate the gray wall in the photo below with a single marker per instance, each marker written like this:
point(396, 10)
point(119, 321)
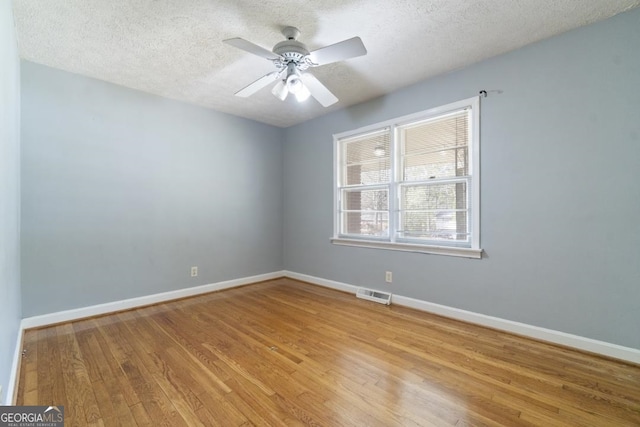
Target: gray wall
point(9, 193)
point(122, 192)
point(560, 209)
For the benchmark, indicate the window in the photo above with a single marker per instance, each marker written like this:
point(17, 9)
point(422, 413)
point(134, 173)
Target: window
point(411, 183)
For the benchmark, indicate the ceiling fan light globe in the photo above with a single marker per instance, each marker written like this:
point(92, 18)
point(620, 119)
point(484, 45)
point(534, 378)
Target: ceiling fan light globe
point(303, 94)
point(280, 90)
point(294, 84)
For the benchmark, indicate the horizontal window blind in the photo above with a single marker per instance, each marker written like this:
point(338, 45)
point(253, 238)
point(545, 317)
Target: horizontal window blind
point(436, 148)
point(367, 159)
point(434, 212)
point(435, 154)
point(365, 176)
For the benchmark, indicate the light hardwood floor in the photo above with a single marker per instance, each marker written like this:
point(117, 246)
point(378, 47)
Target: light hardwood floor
point(288, 353)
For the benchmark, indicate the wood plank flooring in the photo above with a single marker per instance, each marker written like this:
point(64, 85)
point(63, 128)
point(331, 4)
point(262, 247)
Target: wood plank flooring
point(288, 353)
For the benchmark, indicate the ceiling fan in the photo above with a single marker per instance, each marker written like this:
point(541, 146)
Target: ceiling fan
point(291, 59)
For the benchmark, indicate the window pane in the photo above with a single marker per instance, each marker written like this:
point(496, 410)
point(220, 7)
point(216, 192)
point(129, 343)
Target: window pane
point(365, 212)
point(365, 223)
point(366, 200)
point(434, 226)
point(367, 159)
point(436, 211)
point(436, 148)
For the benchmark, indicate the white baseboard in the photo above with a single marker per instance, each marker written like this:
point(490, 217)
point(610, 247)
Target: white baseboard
point(322, 282)
point(12, 386)
point(110, 307)
point(549, 335)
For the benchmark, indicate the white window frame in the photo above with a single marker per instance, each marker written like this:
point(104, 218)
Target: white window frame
point(471, 250)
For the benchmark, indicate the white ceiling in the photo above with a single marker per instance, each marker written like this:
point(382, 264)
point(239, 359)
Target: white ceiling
point(174, 48)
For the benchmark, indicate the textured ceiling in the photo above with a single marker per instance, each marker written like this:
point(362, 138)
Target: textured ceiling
point(174, 48)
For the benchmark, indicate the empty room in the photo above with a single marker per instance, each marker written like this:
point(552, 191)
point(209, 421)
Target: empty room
point(329, 213)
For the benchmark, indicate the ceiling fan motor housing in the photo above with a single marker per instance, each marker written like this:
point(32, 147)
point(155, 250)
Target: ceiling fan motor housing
point(291, 51)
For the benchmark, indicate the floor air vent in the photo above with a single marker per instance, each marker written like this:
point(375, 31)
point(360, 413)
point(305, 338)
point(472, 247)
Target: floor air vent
point(377, 296)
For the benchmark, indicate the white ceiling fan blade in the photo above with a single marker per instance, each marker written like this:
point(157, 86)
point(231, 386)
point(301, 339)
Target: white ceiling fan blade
point(337, 52)
point(258, 84)
point(318, 90)
point(251, 48)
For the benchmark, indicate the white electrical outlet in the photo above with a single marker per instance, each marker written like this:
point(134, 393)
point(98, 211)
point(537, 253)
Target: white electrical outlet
point(194, 271)
point(388, 277)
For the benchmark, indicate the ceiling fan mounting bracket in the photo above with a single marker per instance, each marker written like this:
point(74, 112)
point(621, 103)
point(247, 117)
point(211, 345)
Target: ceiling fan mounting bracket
point(290, 33)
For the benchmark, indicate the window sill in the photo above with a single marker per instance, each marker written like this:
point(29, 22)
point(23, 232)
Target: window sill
point(407, 247)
